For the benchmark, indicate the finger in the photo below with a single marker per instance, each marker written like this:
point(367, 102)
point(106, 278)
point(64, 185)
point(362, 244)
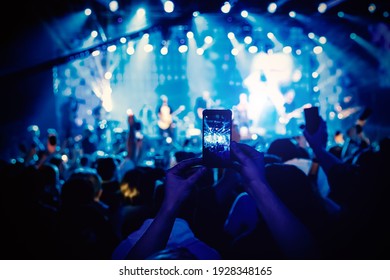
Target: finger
point(236, 166)
point(237, 151)
point(244, 153)
point(178, 168)
point(249, 151)
point(196, 176)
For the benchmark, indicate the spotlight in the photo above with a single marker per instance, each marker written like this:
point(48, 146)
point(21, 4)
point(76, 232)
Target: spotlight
point(226, 8)
point(169, 6)
point(244, 14)
point(322, 7)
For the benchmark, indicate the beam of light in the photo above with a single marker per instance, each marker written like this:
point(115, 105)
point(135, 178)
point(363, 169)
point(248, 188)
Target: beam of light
point(325, 6)
point(382, 55)
point(241, 57)
point(273, 6)
point(137, 67)
point(278, 46)
point(201, 24)
point(200, 71)
point(138, 21)
point(70, 25)
point(361, 21)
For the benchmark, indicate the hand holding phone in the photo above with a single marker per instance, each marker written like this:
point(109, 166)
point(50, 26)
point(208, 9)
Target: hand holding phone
point(216, 137)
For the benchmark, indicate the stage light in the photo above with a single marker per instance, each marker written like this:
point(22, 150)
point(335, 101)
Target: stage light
point(130, 50)
point(248, 40)
point(287, 49)
point(113, 6)
point(169, 6)
point(100, 153)
point(322, 7)
point(234, 51)
point(94, 34)
point(317, 49)
point(200, 51)
point(311, 35)
point(123, 40)
point(340, 14)
point(64, 158)
point(230, 35)
point(372, 8)
point(322, 40)
point(270, 35)
point(88, 12)
point(95, 53)
point(292, 14)
point(296, 76)
point(108, 75)
point(111, 48)
point(183, 48)
point(272, 7)
point(208, 39)
point(190, 35)
point(244, 14)
point(253, 49)
point(164, 50)
point(148, 48)
point(226, 7)
point(141, 12)
point(195, 14)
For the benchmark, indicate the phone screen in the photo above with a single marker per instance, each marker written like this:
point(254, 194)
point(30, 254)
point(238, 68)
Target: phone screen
point(216, 135)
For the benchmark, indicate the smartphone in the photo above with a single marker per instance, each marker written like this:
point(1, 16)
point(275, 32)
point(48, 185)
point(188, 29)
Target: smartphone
point(312, 119)
point(216, 137)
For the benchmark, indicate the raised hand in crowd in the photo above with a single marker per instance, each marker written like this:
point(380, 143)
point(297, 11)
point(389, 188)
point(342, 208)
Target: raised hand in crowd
point(292, 237)
point(179, 184)
point(318, 141)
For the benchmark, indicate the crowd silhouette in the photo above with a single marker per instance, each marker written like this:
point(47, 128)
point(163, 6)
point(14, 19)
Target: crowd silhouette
point(302, 197)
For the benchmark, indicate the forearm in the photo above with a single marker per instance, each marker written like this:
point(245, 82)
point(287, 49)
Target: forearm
point(155, 237)
point(326, 159)
point(293, 238)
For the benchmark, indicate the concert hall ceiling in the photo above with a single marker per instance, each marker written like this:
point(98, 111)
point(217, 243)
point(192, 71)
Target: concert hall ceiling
point(40, 32)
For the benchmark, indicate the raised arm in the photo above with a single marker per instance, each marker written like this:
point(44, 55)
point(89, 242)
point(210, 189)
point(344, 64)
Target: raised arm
point(317, 142)
point(178, 187)
point(291, 235)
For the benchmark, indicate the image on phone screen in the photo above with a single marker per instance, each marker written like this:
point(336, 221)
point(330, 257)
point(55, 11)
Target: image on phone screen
point(217, 130)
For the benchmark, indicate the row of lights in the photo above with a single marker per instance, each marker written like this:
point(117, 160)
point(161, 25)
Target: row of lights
point(208, 40)
point(169, 7)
